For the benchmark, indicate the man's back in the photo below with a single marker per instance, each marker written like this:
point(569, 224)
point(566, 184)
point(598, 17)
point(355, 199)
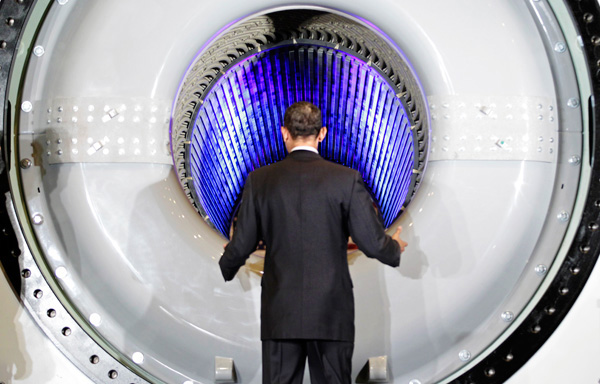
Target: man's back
point(304, 209)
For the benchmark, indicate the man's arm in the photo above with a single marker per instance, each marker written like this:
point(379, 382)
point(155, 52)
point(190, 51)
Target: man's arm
point(245, 237)
point(367, 231)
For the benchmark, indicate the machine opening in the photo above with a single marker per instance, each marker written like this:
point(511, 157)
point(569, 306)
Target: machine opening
point(371, 105)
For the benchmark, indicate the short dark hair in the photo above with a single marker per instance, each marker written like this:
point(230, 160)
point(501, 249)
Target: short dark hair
point(303, 119)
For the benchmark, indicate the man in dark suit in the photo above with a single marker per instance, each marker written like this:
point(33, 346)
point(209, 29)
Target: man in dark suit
point(304, 208)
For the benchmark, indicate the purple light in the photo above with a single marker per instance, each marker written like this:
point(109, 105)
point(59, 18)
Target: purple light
point(236, 129)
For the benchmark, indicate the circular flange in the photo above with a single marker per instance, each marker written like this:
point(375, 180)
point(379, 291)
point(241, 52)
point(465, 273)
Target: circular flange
point(564, 279)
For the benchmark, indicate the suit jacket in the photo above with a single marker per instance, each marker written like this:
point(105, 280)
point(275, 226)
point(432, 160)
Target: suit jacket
point(304, 208)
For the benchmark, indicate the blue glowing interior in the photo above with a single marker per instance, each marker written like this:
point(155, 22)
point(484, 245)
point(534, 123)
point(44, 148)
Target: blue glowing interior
point(237, 127)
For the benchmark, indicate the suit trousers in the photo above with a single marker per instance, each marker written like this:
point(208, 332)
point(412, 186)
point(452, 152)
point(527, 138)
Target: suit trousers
point(329, 361)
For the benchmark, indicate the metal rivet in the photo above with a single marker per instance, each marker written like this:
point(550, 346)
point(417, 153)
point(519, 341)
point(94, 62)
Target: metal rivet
point(25, 163)
point(563, 216)
point(38, 294)
point(39, 51)
point(588, 17)
point(464, 355)
point(536, 329)
point(26, 106)
point(112, 374)
point(593, 226)
point(550, 310)
point(563, 291)
point(95, 319)
point(137, 357)
point(62, 2)
point(38, 219)
point(413, 381)
point(560, 47)
point(584, 249)
point(575, 270)
point(66, 331)
point(94, 359)
point(26, 273)
point(10, 21)
point(509, 357)
point(61, 272)
point(573, 102)
point(490, 372)
point(541, 269)
point(51, 313)
point(508, 316)
point(575, 160)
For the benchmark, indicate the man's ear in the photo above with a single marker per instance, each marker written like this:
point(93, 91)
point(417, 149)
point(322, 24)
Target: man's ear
point(322, 134)
point(285, 134)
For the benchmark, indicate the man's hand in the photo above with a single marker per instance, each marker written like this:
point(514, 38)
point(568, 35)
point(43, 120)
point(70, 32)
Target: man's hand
point(396, 236)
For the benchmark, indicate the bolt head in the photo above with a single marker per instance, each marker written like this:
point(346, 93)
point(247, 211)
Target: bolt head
point(541, 269)
point(573, 102)
point(26, 106)
point(575, 160)
point(464, 355)
point(39, 51)
point(563, 216)
point(25, 163)
point(508, 316)
point(560, 47)
point(38, 219)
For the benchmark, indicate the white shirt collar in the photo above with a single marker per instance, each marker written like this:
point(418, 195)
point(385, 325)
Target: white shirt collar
point(305, 148)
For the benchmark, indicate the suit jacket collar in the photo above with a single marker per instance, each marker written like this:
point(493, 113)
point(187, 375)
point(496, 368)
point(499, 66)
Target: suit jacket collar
point(303, 155)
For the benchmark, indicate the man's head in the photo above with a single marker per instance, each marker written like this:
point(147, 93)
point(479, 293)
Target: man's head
point(302, 125)
point(303, 119)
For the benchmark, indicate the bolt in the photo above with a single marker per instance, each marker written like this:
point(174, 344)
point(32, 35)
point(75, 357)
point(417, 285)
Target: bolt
point(38, 51)
point(575, 160)
point(25, 163)
point(464, 355)
point(541, 269)
point(38, 219)
point(563, 216)
point(508, 316)
point(560, 47)
point(26, 106)
point(573, 102)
